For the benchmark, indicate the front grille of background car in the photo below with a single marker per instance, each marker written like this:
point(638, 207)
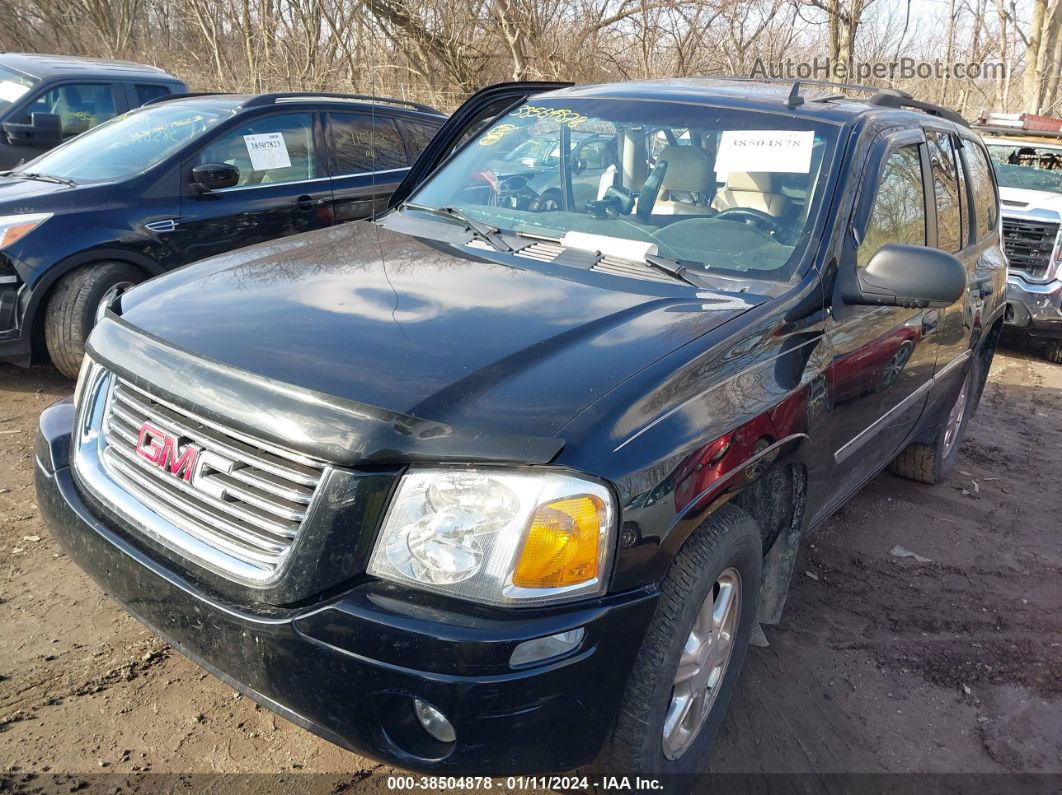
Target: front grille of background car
point(1029, 244)
point(264, 498)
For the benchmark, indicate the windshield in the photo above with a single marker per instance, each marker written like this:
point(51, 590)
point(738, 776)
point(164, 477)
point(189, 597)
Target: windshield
point(13, 86)
point(716, 189)
point(1020, 165)
point(128, 144)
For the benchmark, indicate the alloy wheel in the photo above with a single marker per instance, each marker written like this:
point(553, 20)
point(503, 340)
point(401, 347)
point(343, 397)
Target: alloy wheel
point(702, 664)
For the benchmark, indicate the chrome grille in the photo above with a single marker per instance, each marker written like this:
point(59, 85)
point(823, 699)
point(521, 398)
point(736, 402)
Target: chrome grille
point(1029, 244)
point(243, 498)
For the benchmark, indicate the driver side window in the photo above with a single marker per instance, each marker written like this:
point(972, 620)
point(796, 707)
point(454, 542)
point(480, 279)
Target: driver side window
point(79, 106)
point(899, 211)
point(268, 150)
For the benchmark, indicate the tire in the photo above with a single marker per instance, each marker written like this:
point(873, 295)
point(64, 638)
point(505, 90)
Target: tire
point(71, 310)
point(931, 463)
point(727, 543)
point(1053, 351)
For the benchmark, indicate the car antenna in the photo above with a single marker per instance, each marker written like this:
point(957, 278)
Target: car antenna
point(794, 96)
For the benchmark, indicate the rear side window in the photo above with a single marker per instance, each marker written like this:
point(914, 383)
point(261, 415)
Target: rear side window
point(79, 106)
point(986, 206)
point(946, 191)
point(146, 93)
point(898, 214)
point(419, 135)
point(363, 143)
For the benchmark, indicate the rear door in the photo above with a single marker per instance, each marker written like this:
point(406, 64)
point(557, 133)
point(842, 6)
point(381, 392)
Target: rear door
point(283, 187)
point(478, 110)
point(367, 157)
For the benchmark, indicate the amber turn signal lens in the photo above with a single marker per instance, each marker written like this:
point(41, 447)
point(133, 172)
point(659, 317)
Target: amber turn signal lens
point(15, 233)
point(562, 544)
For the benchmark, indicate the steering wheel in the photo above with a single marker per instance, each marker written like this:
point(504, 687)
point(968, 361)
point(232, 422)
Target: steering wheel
point(750, 215)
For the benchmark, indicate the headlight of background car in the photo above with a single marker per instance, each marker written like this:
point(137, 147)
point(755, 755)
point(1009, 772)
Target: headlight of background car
point(15, 227)
point(501, 537)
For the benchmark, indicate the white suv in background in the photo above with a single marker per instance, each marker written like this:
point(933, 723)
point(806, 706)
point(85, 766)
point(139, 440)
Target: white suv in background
point(1028, 163)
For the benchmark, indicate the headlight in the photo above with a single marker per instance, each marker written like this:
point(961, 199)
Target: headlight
point(497, 536)
point(15, 227)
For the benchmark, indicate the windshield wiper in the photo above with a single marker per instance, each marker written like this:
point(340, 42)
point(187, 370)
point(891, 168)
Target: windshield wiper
point(41, 177)
point(672, 267)
point(486, 233)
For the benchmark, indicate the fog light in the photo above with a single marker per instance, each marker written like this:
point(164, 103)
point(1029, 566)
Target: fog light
point(434, 722)
point(543, 648)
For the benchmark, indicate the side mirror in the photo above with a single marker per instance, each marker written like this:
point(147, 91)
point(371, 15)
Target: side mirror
point(43, 131)
point(903, 275)
point(209, 177)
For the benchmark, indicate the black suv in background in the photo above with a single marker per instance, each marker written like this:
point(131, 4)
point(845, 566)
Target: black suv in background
point(47, 99)
point(178, 180)
point(493, 484)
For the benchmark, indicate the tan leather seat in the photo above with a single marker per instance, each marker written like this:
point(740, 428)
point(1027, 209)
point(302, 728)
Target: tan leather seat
point(687, 183)
point(757, 190)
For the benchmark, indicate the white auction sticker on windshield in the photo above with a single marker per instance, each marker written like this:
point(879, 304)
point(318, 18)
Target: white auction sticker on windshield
point(787, 151)
point(10, 91)
point(267, 150)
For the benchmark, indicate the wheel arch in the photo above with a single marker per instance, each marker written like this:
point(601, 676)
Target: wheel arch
point(44, 287)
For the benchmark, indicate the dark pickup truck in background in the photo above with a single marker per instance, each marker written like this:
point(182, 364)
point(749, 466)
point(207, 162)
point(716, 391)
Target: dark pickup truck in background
point(47, 99)
point(503, 480)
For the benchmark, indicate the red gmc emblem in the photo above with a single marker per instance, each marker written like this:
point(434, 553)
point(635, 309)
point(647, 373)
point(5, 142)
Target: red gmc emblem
point(157, 447)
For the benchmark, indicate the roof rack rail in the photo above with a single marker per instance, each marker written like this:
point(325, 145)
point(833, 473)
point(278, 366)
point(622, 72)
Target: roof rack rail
point(183, 95)
point(893, 98)
point(882, 97)
point(801, 81)
point(271, 99)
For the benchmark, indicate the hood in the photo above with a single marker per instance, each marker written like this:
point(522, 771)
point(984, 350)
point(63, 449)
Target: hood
point(364, 314)
point(1024, 199)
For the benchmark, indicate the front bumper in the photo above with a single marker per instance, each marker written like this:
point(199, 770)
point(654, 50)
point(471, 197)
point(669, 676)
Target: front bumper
point(14, 341)
point(347, 669)
point(1035, 308)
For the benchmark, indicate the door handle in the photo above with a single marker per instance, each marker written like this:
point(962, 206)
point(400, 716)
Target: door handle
point(307, 203)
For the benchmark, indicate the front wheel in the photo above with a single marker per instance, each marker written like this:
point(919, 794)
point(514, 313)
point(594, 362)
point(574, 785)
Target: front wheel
point(71, 310)
point(1053, 351)
point(684, 674)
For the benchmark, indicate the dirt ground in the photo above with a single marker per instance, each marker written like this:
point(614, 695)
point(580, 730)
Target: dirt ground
point(881, 664)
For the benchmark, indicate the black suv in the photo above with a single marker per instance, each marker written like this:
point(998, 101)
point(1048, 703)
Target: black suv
point(498, 485)
point(46, 99)
point(178, 180)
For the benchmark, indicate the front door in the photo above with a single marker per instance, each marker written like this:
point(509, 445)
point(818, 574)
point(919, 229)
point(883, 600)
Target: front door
point(954, 235)
point(883, 357)
point(477, 111)
point(283, 187)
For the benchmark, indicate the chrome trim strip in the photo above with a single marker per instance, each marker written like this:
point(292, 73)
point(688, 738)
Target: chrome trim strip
point(845, 451)
point(237, 188)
